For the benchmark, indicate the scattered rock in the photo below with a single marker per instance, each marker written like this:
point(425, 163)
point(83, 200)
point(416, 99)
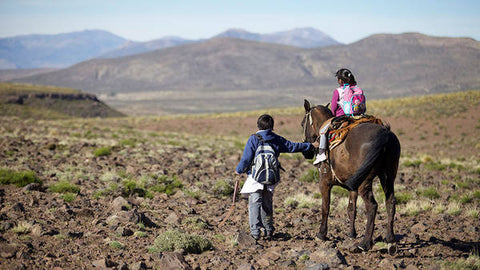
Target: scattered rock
point(411, 267)
point(139, 266)
point(122, 231)
point(419, 228)
point(246, 266)
point(329, 256)
point(7, 251)
point(18, 207)
point(319, 266)
point(75, 234)
point(173, 261)
point(173, 219)
point(245, 240)
point(120, 204)
point(386, 264)
point(34, 187)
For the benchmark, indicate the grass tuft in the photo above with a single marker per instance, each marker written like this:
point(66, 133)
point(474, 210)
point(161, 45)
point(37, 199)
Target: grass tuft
point(19, 179)
point(174, 240)
point(64, 187)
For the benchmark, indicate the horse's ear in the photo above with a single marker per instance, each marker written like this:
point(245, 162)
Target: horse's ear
point(307, 106)
point(328, 104)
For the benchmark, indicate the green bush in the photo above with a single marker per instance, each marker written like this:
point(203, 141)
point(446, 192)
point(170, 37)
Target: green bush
point(402, 198)
point(222, 188)
point(64, 187)
point(174, 240)
point(309, 176)
point(20, 179)
point(430, 193)
point(166, 185)
point(69, 197)
point(102, 151)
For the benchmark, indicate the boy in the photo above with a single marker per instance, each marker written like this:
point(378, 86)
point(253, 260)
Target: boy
point(260, 199)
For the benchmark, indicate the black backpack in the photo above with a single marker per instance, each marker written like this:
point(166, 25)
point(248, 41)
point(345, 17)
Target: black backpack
point(265, 165)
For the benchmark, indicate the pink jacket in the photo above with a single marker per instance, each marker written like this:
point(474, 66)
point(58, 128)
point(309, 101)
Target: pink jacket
point(336, 109)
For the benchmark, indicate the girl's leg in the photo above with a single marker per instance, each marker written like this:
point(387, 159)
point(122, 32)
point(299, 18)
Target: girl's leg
point(255, 200)
point(322, 148)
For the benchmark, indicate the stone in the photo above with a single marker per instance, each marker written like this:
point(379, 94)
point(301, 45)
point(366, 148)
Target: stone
point(329, 256)
point(7, 251)
point(245, 240)
point(18, 207)
point(120, 204)
point(386, 264)
point(34, 187)
point(173, 219)
point(246, 266)
point(319, 266)
point(419, 228)
point(140, 266)
point(173, 261)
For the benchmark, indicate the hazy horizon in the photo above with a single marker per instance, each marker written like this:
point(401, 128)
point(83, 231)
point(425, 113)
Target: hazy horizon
point(149, 20)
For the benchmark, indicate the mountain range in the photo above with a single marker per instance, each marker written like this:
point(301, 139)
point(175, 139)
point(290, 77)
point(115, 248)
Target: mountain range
point(220, 73)
point(63, 50)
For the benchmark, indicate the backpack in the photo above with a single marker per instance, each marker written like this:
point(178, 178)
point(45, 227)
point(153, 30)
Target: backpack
point(352, 100)
point(265, 165)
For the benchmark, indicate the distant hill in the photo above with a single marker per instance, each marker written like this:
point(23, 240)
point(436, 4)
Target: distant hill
point(132, 47)
point(40, 102)
point(63, 50)
point(55, 51)
point(11, 74)
point(299, 37)
point(233, 71)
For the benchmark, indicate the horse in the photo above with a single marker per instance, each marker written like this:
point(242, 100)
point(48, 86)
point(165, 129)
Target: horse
point(368, 151)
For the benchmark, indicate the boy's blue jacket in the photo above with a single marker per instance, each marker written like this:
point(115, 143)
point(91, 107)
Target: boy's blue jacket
point(278, 143)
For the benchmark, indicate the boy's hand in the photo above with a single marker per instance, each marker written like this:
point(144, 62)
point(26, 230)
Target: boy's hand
point(316, 144)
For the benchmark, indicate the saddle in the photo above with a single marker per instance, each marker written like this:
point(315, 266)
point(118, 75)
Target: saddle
point(340, 126)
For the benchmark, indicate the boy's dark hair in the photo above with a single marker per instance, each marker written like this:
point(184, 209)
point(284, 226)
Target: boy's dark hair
point(264, 122)
point(346, 76)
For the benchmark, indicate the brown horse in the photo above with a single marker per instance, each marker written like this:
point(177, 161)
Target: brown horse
point(369, 150)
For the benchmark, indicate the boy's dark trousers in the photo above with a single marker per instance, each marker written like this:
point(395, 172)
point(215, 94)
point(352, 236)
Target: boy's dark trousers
point(260, 211)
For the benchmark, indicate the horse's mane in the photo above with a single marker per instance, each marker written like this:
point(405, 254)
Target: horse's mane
point(325, 110)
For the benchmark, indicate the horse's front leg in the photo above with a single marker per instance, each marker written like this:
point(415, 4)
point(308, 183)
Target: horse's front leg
point(352, 212)
point(325, 188)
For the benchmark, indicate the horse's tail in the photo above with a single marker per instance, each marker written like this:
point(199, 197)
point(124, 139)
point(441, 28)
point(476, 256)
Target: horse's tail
point(376, 151)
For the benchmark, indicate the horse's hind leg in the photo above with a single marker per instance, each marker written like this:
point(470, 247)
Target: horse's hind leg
point(352, 212)
point(371, 206)
point(388, 188)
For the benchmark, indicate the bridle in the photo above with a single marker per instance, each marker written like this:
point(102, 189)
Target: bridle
point(308, 118)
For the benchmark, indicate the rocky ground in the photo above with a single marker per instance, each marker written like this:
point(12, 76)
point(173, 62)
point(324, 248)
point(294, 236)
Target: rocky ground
point(120, 207)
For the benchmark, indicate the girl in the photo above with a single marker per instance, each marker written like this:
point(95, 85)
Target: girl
point(345, 80)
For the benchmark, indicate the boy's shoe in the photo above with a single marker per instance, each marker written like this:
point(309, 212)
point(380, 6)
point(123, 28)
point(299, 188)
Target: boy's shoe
point(320, 158)
point(256, 236)
point(269, 235)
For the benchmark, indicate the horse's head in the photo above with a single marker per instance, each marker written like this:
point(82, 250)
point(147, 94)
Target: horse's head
point(311, 123)
point(313, 120)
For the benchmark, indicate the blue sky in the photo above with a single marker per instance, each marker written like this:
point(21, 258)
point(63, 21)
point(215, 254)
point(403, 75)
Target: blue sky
point(142, 20)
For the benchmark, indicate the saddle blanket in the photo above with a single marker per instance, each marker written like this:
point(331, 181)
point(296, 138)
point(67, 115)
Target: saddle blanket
point(341, 125)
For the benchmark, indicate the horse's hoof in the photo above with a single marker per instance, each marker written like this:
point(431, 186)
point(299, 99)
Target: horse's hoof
point(322, 237)
point(392, 248)
point(352, 235)
point(361, 248)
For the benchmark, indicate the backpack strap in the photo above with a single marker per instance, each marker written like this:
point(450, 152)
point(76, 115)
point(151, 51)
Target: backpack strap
point(259, 137)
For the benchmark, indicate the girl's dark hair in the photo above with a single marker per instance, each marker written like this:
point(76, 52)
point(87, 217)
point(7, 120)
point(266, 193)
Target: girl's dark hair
point(264, 122)
point(346, 76)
